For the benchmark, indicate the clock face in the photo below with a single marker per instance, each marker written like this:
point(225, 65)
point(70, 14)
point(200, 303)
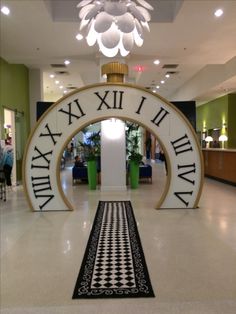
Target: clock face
point(98, 102)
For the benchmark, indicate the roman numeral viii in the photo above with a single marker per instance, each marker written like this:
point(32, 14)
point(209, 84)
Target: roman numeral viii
point(40, 186)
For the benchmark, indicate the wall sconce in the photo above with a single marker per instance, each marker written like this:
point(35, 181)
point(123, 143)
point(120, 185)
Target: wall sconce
point(223, 138)
point(208, 139)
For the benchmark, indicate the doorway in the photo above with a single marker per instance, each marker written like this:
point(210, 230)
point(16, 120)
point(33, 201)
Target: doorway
point(10, 132)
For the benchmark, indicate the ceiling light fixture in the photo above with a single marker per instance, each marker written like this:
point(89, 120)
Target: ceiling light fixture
point(156, 62)
point(114, 25)
point(5, 10)
point(218, 12)
point(66, 62)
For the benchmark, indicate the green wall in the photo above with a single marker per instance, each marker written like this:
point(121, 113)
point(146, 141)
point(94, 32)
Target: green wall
point(213, 113)
point(216, 113)
point(14, 95)
point(232, 121)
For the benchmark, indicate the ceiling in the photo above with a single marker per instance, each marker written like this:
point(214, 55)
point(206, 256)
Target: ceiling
point(185, 33)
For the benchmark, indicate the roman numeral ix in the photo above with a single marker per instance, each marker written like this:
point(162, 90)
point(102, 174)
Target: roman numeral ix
point(42, 158)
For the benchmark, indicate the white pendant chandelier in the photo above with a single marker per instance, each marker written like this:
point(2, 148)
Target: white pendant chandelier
point(115, 25)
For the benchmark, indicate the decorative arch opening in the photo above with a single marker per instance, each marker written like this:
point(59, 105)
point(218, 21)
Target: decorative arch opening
point(165, 182)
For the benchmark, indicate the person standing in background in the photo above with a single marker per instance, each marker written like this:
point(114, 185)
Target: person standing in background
point(148, 147)
point(7, 161)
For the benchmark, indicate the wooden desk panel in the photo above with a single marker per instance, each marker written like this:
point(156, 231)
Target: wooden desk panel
point(220, 164)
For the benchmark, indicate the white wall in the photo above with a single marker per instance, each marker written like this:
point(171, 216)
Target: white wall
point(36, 93)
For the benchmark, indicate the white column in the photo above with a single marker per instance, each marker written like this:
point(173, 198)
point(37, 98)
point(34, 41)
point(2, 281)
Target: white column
point(113, 153)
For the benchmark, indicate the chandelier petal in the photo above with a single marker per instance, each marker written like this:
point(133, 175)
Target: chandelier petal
point(123, 51)
point(92, 35)
point(83, 3)
point(136, 13)
point(137, 38)
point(107, 52)
point(103, 22)
point(139, 28)
point(145, 26)
point(110, 39)
point(93, 12)
point(114, 8)
point(125, 23)
point(145, 4)
point(83, 23)
point(85, 10)
point(144, 13)
point(128, 41)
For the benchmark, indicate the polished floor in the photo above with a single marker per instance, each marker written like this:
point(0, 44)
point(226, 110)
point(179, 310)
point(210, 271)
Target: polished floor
point(190, 254)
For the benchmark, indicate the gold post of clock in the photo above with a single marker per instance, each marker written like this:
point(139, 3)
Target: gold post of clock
point(115, 72)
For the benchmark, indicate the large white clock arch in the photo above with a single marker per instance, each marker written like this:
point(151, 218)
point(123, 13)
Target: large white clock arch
point(41, 165)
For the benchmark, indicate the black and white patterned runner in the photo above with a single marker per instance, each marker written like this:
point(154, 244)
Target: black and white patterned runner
point(114, 265)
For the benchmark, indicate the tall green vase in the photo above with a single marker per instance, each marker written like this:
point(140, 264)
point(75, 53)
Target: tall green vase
point(134, 174)
point(92, 174)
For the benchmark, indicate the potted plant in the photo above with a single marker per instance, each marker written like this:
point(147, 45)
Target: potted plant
point(91, 150)
point(134, 157)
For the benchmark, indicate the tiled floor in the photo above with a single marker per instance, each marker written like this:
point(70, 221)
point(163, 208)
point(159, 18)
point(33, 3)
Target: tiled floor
point(190, 254)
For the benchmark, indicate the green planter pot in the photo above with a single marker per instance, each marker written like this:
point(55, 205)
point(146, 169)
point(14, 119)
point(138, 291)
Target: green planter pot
point(134, 174)
point(92, 174)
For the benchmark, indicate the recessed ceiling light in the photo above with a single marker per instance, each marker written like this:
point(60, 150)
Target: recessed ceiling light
point(162, 82)
point(57, 82)
point(157, 86)
point(52, 75)
point(61, 87)
point(167, 75)
point(67, 62)
point(79, 36)
point(218, 12)
point(156, 62)
point(154, 91)
point(5, 10)
point(65, 91)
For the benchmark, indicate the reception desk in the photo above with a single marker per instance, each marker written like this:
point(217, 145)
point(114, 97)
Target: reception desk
point(220, 164)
